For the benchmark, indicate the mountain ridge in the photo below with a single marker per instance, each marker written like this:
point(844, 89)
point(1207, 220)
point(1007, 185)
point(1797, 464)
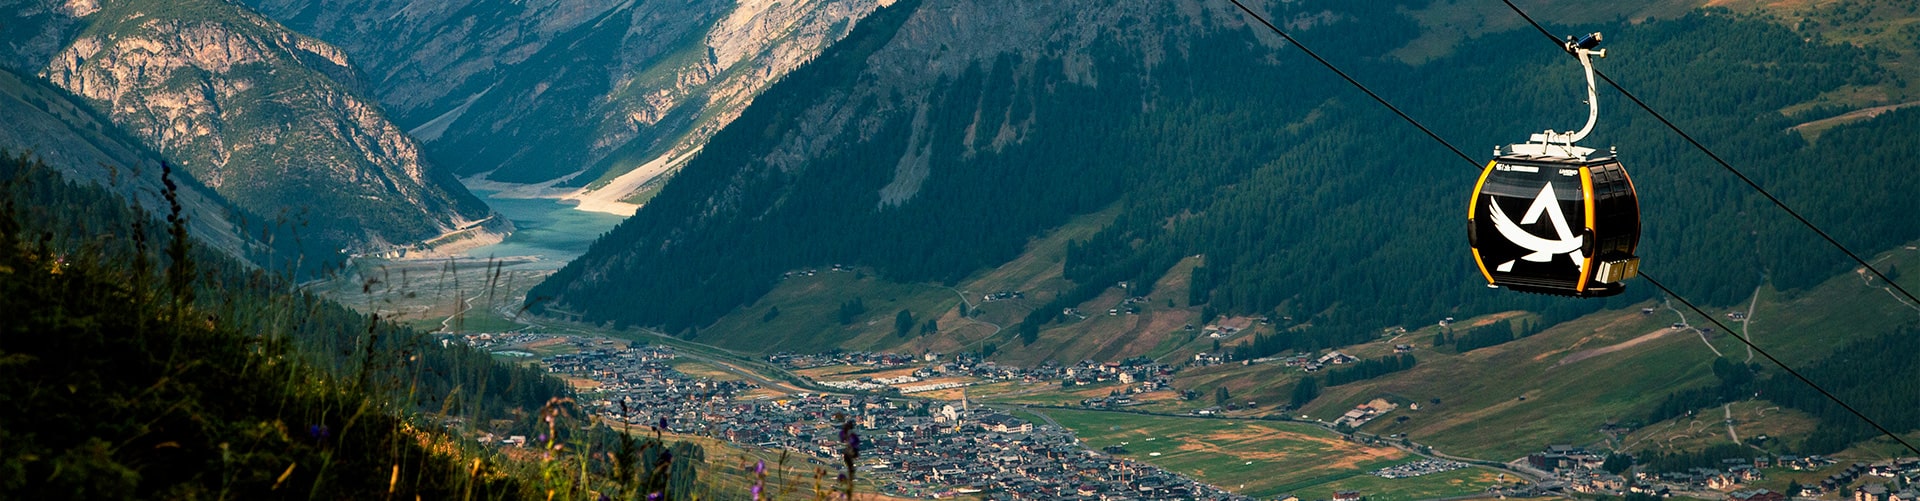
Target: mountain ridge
point(640, 82)
point(255, 112)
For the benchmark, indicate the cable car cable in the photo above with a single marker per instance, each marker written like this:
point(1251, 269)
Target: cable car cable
point(1723, 163)
point(1356, 83)
point(1650, 279)
point(1783, 366)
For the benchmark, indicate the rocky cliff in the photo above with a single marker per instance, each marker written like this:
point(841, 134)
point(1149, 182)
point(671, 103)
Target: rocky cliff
point(264, 116)
point(585, 90)
point(85, 147)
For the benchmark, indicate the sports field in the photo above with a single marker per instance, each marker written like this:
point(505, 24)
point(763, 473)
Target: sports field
point(1260, 458)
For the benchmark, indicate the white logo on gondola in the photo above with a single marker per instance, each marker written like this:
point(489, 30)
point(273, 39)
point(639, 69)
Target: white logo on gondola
point(1543, 249)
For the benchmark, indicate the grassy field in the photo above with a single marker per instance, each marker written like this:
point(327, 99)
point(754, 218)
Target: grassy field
point(425, 293)
point(1256, 458)
point(1562, 385)
point(1750, 419)
point(699, 368)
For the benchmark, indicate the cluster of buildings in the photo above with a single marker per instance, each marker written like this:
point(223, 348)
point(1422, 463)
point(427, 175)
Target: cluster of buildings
point(911, 447)
point(1576, 469)
point(1903, 472)
point(854, 358)
point(1309, 362)
point(962, 450)
point(1418, 468)
point(1361, 414)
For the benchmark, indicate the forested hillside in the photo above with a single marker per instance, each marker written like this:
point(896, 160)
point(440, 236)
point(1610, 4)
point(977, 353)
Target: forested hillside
point(1214, 139)
point(147, 366)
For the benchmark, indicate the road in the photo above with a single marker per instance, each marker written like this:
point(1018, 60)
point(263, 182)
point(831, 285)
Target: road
point(969, 308)
point(1746, 332)
point(1730, 434)
point(1687, 326)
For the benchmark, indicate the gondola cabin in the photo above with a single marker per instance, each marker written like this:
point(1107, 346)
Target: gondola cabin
point(1554, 218)
point(1555, 223)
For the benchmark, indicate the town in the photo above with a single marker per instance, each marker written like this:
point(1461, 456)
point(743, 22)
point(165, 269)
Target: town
point(917, 447)
point(931, 446)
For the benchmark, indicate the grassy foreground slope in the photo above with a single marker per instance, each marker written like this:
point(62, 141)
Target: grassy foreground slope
point(141, 366)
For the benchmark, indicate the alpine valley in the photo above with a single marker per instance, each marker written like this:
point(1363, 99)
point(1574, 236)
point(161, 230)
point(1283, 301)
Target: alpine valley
point(909, 249)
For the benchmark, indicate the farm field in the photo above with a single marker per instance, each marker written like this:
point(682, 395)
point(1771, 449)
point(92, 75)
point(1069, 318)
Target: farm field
point(1260, 458)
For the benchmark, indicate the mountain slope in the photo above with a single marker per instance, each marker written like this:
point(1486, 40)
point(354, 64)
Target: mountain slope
point(936, 139)
point(266, 117)
point(485, 83)
point(66, 134)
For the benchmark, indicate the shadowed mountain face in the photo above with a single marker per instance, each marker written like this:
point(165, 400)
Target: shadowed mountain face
point(940, 136)
point(530, 91)
point(268, 118)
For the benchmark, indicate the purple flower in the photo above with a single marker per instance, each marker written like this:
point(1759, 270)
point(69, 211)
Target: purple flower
point(760, 467)
point(318, 432)
point(654, 497)
point(756, 492)
point(541, 438)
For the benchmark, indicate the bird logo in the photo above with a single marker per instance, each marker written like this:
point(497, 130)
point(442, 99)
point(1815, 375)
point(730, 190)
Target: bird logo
point(1543, 249)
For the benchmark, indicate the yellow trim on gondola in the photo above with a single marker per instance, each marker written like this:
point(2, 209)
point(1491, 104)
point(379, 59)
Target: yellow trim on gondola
point(1474, 203)
point(1586, 192)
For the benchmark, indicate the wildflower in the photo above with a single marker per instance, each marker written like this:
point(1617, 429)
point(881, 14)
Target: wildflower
point(760, 467)
point(318, 432)
point(654, 497)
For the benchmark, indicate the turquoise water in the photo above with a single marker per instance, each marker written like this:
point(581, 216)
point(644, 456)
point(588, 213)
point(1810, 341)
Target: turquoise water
point(544, 228)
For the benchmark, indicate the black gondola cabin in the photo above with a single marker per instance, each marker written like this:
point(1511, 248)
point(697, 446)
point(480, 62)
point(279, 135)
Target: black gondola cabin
point(1554, 218)
point(1555, 225)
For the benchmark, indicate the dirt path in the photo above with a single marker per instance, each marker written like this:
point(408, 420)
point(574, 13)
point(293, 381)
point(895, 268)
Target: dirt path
point(1747, 333)
point(1586, 354)
point(1868, 280)
point(977, 343)
point(1853, 116)
point(1728, 408)
point(1687, 326)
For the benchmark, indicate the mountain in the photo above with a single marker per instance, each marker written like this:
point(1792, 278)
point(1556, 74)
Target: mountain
point(582, 90)
point(83, 146)
point(939, 138)
point(272, 120)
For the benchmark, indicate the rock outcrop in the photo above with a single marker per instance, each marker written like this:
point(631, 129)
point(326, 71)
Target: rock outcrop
point(264, 116)
point(531, 91)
